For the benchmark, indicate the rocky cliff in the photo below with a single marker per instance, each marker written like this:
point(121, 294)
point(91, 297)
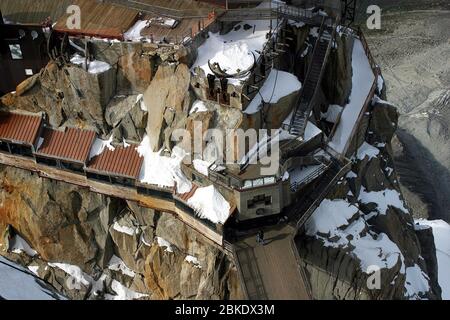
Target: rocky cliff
point(364, 229)
point(92, 246)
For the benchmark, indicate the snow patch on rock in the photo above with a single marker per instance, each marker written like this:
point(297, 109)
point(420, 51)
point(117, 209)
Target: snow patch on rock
point(210, 204)
point(383, 199)
point(441, 233)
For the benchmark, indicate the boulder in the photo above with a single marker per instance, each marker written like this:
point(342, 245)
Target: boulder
point(166, 91)
point(69, 94)
point(383, 122)
point(134, 72)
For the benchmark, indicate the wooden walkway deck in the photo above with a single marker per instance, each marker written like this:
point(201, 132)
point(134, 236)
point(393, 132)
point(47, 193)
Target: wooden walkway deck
point(272, 271)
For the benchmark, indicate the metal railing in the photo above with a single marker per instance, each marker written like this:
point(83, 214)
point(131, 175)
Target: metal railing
point(375, 68)
point(309, 178)
point(318, 199)
point(312, 160)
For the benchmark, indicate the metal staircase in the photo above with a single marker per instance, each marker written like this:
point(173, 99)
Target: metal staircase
point(304, 207)
point(305, 99)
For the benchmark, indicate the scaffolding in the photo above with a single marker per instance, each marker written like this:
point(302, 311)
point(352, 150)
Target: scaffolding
point(348, 12)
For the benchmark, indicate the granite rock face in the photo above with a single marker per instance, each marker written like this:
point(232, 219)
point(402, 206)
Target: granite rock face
point(128, 117)
point(337, 263)
point(167, 93)
point(80, 238)
point(68, 95)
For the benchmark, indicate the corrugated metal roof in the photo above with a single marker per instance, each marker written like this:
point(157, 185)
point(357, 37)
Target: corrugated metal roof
point(103, 20)
point(124, 162)
point(71, 144)
point(20, 128)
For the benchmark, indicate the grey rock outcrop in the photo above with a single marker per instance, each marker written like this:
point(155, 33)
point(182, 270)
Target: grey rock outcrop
point(166, 93)
point(335, 271)
point(69, 95)
point(127, 117)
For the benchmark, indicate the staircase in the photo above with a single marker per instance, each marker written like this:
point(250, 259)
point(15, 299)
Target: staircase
point(304, 102)
point(305, 206)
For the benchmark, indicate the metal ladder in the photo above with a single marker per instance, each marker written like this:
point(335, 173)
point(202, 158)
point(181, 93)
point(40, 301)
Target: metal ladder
point(304, 102)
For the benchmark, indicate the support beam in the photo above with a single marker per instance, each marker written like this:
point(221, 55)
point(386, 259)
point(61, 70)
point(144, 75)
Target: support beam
point(348, 12)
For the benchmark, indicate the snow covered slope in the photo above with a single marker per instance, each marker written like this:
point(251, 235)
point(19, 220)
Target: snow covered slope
point(441, 233)
point(17, 283)
point(362, 81)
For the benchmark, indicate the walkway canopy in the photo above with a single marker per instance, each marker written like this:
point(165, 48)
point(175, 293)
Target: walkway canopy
point(123, 162)
point(69, 144)
point(17, 128)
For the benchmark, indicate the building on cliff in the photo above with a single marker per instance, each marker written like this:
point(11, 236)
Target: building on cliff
point(297, 69)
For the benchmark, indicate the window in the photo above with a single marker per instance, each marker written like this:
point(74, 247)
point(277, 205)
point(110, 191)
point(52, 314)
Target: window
point(258, 182)
point(259, 200)
point(269, 180)
point(16, 51)
point(34, 35)
point(21, 33)
point(46, 161)
point(28, 72)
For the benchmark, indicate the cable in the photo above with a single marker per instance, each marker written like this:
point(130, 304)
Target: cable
point(274, 85)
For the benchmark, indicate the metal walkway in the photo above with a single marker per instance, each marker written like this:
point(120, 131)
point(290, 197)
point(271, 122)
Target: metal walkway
point(271, 272)
point(299, 212)
point(280, 11)
point(274, 271)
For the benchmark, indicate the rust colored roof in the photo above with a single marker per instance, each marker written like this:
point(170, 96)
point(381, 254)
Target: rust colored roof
point(186, 196)
point(71, 144)
point(20, 128)
point(103, 20)
point(124, 162)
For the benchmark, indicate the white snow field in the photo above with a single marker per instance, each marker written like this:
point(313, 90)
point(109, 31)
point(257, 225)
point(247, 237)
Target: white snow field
point(441, 233)
point(383, 199)
point(18, 283)
point(362, 81)
point(332, 220)
point(95, 66)
point(161, 170)
point(210, 204)
point(277, 85)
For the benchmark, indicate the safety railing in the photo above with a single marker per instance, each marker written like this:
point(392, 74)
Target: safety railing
point(309, 178)
point(318, 199)
point(375, 68)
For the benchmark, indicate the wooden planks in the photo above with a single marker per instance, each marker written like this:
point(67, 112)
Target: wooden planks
point(32, 11)
point(100, 20)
